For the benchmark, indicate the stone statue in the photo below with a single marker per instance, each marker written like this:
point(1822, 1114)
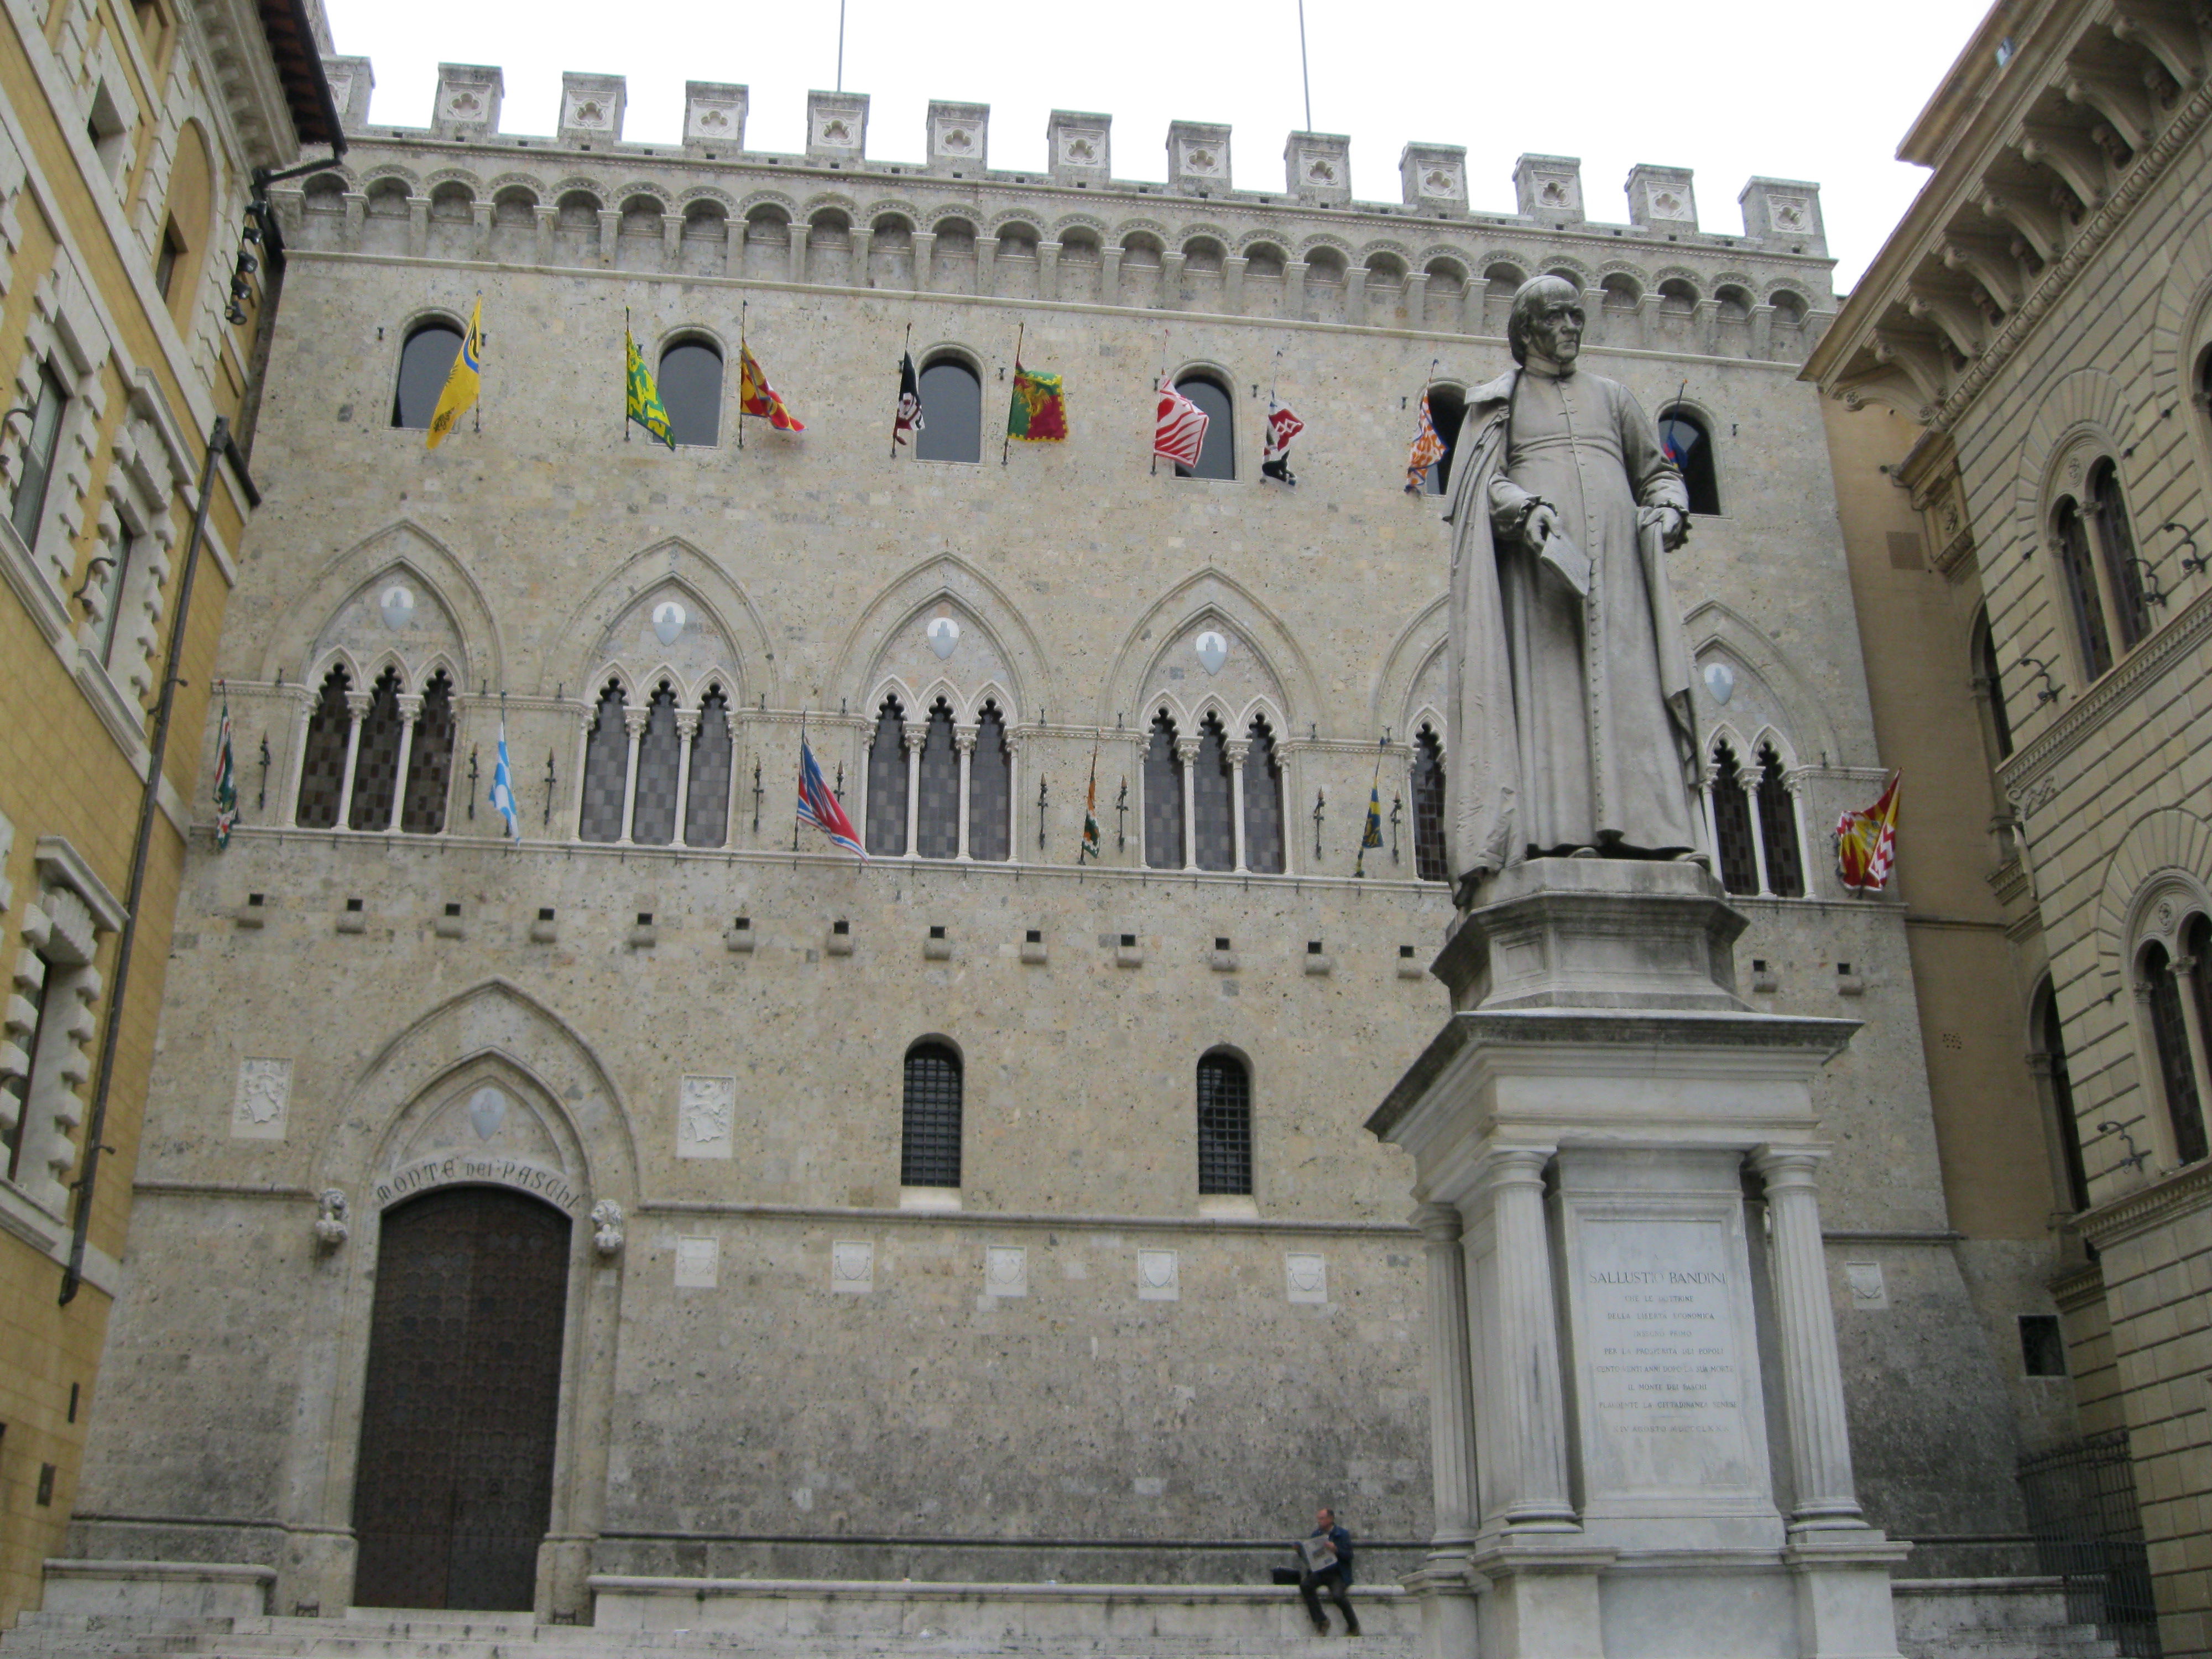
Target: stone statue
point(1570, 677)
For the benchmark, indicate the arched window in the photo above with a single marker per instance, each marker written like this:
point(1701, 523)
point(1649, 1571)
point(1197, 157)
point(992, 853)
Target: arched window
point(1224, 1126)
point(1990, 688)
point(1263, 802)
point(376, 758)
point(2078, 575)
point(2196, 940)
point(1428, 808)
point(1732, 827)
point(1447, 409)
point(322, 765)
point(1213, 826)
point(2179, 1064)
point(990, 790)
point(183, 229)
point(430, 761)
point(886, 824)
point(1778, 828)
point(929, 1133)
point(1684, 436)
point(1163, 802)
point(606, 770)
point(1218, 458)
point(424, 363)
point(2050, 1038)
point(937, 827)
point(952, 412)
point(660, 758)
point(2115, 538)
point(690, 386)
point(706, 805)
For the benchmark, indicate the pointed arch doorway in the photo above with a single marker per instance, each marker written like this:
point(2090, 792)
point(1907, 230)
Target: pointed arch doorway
point(453, 1490)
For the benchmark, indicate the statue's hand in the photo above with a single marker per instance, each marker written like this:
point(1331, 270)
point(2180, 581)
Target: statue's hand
point(1538, 527)
point(1673, 524)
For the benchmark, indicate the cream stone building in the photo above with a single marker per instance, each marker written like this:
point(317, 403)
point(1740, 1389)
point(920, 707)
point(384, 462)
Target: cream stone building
point(662, 1202)
point(2026, 358)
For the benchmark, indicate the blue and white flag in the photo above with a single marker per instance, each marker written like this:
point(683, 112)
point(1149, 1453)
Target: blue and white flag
point(503, 787)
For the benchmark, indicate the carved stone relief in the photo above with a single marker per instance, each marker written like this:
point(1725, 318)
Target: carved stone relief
point(264, 1090)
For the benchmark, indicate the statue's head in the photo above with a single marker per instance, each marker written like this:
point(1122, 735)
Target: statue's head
point(1547, 315)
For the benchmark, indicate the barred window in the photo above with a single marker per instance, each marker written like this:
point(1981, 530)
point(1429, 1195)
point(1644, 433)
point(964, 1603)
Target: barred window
point(376, 760)
point(1732, 824)
point(660, 756)
point(606, 770)
point(1225, 1126)
point(937, 827)
point(990, 789)
point(322, 766)
point(1263, 803)
point(1212, 790)
point(1428, 862)
point(706, 809)
point(886, 824)
point(1777, 828)
point(430, 761)
point(1163, 803)
point(929, 1140)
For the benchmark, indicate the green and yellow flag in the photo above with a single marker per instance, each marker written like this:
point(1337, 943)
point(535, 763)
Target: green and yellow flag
point(1372, 835)
point(462, 382)
point(1037, 414)
point(644, 401)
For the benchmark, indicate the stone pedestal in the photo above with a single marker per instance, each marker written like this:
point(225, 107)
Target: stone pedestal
point(1629, 1156)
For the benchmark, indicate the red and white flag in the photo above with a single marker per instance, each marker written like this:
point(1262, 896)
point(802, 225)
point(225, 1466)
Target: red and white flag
point(1866, 842)
point(1427, 450)
point(1179, 435)
point(1275, 446)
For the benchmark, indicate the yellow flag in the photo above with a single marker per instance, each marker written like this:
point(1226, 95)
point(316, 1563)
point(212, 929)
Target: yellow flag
point(463, 383)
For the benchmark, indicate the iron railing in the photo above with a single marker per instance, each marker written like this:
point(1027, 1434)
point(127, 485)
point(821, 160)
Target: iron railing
point(2088, 1531)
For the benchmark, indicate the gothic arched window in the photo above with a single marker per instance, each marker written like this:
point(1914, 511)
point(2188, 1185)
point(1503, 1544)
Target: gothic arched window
point(2179, 1062)
point(660, 758)
point(1732, 824)
point(376, 757)
point(1225, 1126)
point(430, 761)
point(1688, 442)
point(2078, 576)
point(937, 827)
point(952, 412)
point(690, 386)
point(886, 826)
point(1213, 827)
point(1263, 802)
point(929, 1129)
point(322, 764)
point(1216, 459)
point(2115, 538)
point(424, 363)
point(1429, 860)
point(707, 804)
point(990, 789)
point(1163, 802)
point(606, 770)
point(1778, 828)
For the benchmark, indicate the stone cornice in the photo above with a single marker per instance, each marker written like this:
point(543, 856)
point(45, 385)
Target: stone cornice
point(2167, 1199)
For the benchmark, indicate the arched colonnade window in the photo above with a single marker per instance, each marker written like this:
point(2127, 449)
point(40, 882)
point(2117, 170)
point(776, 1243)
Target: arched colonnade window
point(939, 788)
point(380, 759)
point(1756, 821)
point(1213, 802)
point(658, 774)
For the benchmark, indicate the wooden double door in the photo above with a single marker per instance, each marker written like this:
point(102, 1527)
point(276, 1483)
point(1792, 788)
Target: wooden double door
point(453, 1490)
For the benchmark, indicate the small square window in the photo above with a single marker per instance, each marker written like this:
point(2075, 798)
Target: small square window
point(1405, 953)
point(453, 909)
point(1313, 947)
point(937, 932)
point(47, 1473)
point(2042, 1346)
point(840, 927)
point(546, 912)
point(1034, 936)
point(1128, 941)
point(1220, 944)
point(745, 924)
point(353, 907)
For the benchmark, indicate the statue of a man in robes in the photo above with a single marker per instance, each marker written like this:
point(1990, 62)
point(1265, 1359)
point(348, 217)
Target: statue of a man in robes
point(1569, 677)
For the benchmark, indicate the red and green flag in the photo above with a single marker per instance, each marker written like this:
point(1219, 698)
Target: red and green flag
point(1037, 412)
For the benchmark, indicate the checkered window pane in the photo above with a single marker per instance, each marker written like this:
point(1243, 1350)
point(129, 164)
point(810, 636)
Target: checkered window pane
point(430, 762)
point(1212, 800)
point(659, 754)
point(1263, 803)
point(937, 835)
point(1225, 1126)
point(707, 814)
point(1732, 824)
point(887, 783)
point(1778, 828)
point(322, 773)
point(990, 790)
point(929, 1144)
point(606, 770)
point(1428, 808)
point(1163, 798)
point(376, 766)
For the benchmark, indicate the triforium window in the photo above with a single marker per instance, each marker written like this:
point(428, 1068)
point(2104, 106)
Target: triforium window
point(424, 363)
point(2077, 574)
point(886, 825)
point(1428, 862)
point(990, 789)
point(690, 386)
point(1224, 1126)
point(1777, 828)
point(1263, 802)
point(1218, 458)
point(952, 412)
point(430, 761)
point(929, 1136)
point(606, 770)
point(1163, 802)
point(36, 463)
point(1447, 409)
point(376, 758)
point(1214, 830)
point(937, 825)
point(1688, 443)
point(322, 764)
point(1732, 824)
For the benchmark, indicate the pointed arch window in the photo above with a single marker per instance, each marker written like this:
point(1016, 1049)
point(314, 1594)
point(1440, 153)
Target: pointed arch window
point(1213, 824)
point(1263, 801)
point(1216, 459)
point(323, 763)
point(707, 799)
point(659, 761)
point(1688, 442)
point(606, 769)
point(1732, 827)
point(951, 411)
point(1777, 828)
point(887, 782)
point(430, 761)
point(1429, 861)
point(2078, 576)
point(690, 386)
point(2116, 539)
point(937, 829)
point(929, 1129)
point(2172, 1005)
point(990, 790)
point(424, 363)
point(1225, 1126)
point(1164, 801)
point(376, 761)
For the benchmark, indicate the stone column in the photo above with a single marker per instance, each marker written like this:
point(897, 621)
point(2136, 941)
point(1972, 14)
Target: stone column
point(733, 251)
point(1748, 781)
point(1171, 266)
point(583, 752)
point(1812, 1375)
point(915, 734)
point(800, 234)
point(634, 723)
point(1451, 1382)
point(1762, 331)
point(610, 233)
point(1238, 749)
point(1708, 324)
point(857, 276)
point(410, 710)
point(1187, 757)
point(1416, 299)
point(1109, 276)
point(480, 244)
point(1232, 285)
point(1793, 784)
point(1647, 316)
point(545, 216)
point(1531, 1409)
point(2192, 1023)
point(1472, 301)
point(1355, 294)
point(924, 247)
point(687, 728)
point(1294, 288)
point(356, 219)
point(418, 227)
point(672, 241)
point(358, 704)
point(1047, 269)
point(986, 262)
point(963, 740)
point(1708, 779)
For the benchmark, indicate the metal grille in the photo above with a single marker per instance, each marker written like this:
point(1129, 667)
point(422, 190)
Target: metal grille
point(322, 768)
point(887, 783)
point(1163, 798)
point(937, 834)
point(659, 754)
point(1225, 1126)
point(929, 1140)
point(1732, 824)
point(606, 770)
point(1428, 808)
point(2089, 1530)
point(707, 813)
point(1778, 828)
point(1213, 801)
point(1263, 803)
point(990, 790)
point(454, 1490)
point(430, 762)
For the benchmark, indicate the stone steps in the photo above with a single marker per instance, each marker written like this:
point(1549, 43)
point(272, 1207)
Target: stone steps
point(1991, 1619)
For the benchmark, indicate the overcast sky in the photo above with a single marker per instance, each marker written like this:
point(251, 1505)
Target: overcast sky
point(1821, 92)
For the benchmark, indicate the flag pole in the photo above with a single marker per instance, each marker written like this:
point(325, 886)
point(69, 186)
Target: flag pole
point(1373, 786)
point(742, 360)
point(1164, 377)
point(626, 351)
point(1305, 76)
point(802, 778)
point(905, 352)
point(1006, 446)
point(477, 328)
point(841, 44)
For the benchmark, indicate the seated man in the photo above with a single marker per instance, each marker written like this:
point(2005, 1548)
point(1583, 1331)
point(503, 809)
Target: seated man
point(1327, 1555)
